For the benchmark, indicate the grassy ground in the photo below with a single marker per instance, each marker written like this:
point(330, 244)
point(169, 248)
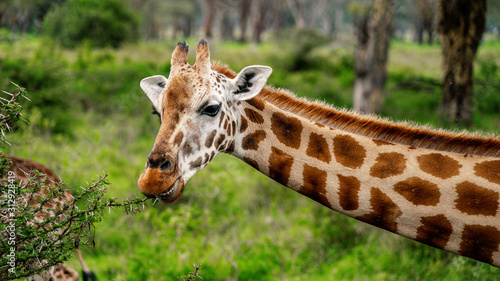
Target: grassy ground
point(88, 116)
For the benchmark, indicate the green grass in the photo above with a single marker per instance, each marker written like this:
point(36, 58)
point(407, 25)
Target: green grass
point(238, 224)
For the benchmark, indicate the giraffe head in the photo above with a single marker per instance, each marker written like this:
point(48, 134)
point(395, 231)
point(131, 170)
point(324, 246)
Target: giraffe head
point(198, 116)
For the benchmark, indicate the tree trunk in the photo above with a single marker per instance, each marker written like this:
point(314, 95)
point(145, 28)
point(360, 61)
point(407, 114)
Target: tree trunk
point(297, 9)
point(244, 12)
point(209, 18)
point(186, 26)
point(424, 11)
point(430, 35)
point(259, 20)
point(279, 11)
point(419, 30)
point(371, 58)
point(227, 24)
point(151, 25)
point(461, 25)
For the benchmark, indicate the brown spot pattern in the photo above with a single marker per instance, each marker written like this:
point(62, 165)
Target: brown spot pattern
point(439, 165)
point(314, 184)
point(476, 200)
point(196, 164)
point(348, 151)
point(251, 162)
point(254, 116)
point(287, 129)
point(318, 148)
point(210, 139)
point(188, 150)
point(348, 192)
point(257, 103)
point(230, 147)
point(234, 128)
point(222, 114)
point(384, 211)
point(434, 231)
point(489, 170)
point(251, 141)
point(388, 165)
point(381, 142)
point(219, 140)
point(178, 138)
point(480, 242)
point(244, 124)
point(229, 129)
point(419, 191)
point(280, 165)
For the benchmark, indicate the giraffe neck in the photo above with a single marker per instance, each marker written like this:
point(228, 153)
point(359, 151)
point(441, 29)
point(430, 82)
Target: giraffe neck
point(443, 199)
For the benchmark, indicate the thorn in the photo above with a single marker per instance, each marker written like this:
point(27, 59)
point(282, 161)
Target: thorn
point(5, 92)
point(20, 88)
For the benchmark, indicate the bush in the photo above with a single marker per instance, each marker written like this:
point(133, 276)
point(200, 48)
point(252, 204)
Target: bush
point(103, 23)
point(303, 42)
point(35, 232)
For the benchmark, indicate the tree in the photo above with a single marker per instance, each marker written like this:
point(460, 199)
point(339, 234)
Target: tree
point(160, 15)
point(24, 15)
point(244, 12)
point(104, 23)
point(373, 28)
point(298, 9)
point(259, 24)
point(209, 15)
point(227, 22)
point(424, 20)
point(461, 24)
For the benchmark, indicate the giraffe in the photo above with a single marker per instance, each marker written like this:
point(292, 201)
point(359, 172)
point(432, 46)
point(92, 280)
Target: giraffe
point(437, 187)
point(22, 169)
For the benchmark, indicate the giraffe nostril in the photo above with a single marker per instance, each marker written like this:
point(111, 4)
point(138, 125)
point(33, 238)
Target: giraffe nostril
point(166, 165)
point(163, 163)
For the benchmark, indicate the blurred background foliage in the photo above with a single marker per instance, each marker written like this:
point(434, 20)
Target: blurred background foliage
point(100, 23)
point(82, 60)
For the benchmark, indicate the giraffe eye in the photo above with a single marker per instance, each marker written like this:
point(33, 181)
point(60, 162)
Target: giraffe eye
point(211, 110)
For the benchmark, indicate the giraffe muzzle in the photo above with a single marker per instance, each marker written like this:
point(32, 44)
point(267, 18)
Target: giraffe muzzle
point(155, 183)
point(164, 163)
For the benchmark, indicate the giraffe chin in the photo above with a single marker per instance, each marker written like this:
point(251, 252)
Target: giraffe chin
point(173, 193)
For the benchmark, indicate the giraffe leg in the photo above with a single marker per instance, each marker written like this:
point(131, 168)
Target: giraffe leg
point(87, 274)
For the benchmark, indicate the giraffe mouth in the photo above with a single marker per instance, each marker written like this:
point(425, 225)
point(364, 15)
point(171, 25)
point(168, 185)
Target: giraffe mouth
point(173, 193)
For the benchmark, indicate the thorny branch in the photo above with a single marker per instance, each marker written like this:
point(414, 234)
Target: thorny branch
point(38, 225)
point(10, 111)
point(42, 243)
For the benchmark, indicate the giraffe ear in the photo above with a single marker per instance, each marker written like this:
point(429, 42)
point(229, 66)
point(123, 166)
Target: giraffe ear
point(153, 87)
point(250, 81)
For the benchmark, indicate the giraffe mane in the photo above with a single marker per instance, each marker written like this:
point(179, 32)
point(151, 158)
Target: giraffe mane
point(375, 127)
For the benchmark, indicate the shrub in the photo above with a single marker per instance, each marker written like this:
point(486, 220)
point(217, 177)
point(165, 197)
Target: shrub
point(103, 23)
point(32, 244)
point(303, 42)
